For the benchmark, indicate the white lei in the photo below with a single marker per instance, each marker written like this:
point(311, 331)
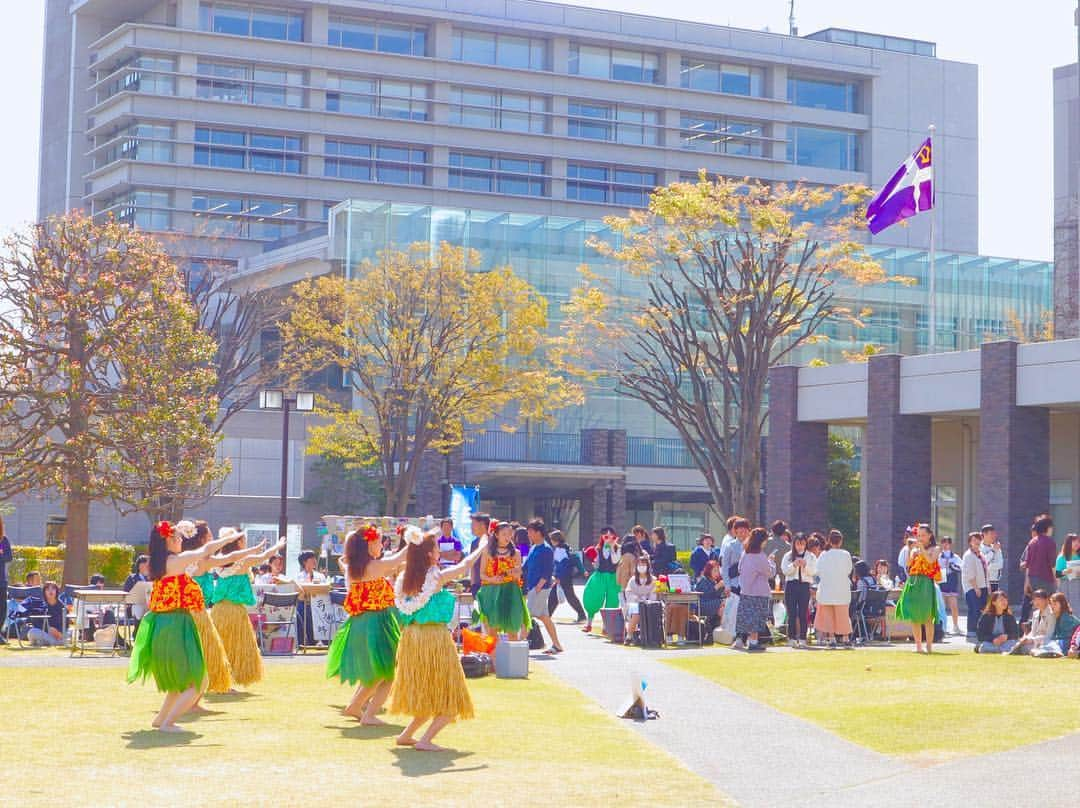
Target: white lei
point(411, 604)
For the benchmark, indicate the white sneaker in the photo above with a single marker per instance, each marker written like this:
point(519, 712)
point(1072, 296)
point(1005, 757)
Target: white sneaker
point(739, 645)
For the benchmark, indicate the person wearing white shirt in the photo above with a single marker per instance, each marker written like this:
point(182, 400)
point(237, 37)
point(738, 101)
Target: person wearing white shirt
point(307, 575)
point(992, 555)
point(902, 558)
point(975, 580)
point(834, 568)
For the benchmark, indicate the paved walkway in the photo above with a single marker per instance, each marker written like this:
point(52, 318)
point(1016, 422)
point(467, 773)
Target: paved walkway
point(719, 734)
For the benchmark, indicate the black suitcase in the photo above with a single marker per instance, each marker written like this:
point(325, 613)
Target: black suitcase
point(651, 624)
point(476, 666)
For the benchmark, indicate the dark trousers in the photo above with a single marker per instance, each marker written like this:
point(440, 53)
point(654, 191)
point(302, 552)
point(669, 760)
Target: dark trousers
point(3, 603)
point(305, 629)
point(797, 603)
point(571, 598)
point(976, 602)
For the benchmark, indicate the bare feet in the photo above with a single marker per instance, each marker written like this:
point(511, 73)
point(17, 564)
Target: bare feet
point(170, 728)
point(199, 709)
point(373, 722)
point(421, 746)
point(405, 741)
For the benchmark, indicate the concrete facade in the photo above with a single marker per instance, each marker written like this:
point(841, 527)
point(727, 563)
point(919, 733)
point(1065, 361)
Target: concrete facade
point(1067, 202)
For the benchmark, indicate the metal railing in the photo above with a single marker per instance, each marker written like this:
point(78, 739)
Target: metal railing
point(671, 452)
point(524, 447)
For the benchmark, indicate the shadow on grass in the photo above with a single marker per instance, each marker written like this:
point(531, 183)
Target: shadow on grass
point(414, 763)
point(228, 698)
point(152, 739)
point(359, 732)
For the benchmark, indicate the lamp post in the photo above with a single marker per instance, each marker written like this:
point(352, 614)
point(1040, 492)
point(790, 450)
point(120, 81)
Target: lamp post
point(280, 400)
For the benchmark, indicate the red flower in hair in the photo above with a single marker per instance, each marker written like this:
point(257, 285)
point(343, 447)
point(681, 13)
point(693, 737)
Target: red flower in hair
point(164, 529)
point(400, 529)
point(371, 533)
point(493, 528)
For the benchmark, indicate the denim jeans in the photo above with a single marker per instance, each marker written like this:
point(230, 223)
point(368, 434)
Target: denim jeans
point(976, 600)
point(990, 648)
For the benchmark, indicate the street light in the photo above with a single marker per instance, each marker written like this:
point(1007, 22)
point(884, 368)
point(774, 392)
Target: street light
point(280, 400)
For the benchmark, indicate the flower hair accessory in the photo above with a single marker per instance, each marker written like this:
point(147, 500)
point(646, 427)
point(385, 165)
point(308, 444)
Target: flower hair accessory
point(413, 535)
point(400, 529)
point(186, 528)
point(164, 529)
point(493, 528)
point(371, 534)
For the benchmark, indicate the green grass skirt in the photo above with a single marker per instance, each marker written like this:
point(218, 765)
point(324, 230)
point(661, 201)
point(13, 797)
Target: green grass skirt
point(364, 648)
point(918, 601)
point(167, 647)
point(502, 607)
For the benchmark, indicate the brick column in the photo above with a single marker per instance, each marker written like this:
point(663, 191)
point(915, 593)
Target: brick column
point(432, 493)
point(1014, 459)
point(603, 501)
point(896, 462)
point(797, 483)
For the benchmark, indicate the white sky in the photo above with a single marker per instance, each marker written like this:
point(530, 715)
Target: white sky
point(1016, 46)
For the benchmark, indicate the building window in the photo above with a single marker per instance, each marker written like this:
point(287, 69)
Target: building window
point(249, 84)
point(601, 62)
point(256, 467)
point(382, 97)
point(497, 174)
point(717, 77)
point(491, 109)
point(245, 217)
point(141, 208)
point(384, 37)
point(823, 148)
point(486, 48)
point(943, 510)
point(722, 135)
point(1061, 503)
point(140, 141)
point(253, 21)
point(609, 185)
point(141, 74)
point(253, 151)
point(841, 96)
point(376, 162)
point(613, 122)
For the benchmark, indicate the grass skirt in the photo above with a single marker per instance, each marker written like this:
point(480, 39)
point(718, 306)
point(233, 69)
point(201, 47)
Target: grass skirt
point(238, 637)
point(502, 607)
point(601, 591)
point(167, 647)
point(364, 648)
point(918, 602)
point(429, 679)
point(217, 664)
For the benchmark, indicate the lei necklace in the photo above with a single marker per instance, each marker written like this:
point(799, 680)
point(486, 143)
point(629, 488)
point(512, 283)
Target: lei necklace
point(411, 604)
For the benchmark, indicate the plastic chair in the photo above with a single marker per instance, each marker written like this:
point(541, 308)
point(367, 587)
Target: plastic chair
point(871, 609)
point(19, 594)
point(281, 601)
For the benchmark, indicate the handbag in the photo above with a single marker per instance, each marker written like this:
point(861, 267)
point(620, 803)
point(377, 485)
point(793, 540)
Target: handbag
point(536, 638)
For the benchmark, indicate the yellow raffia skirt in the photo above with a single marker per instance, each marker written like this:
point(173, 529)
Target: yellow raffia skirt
point(429, 681)
point(217, 664)
point(238, 637)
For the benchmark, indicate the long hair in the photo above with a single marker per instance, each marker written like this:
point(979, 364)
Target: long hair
point(493, 548)
point(356, 554)
point(1069, 549)
point(994, 597)
point(201, 537)
point(1062, 601)
point(661, 535)
point(159, 554)
point(417, 564)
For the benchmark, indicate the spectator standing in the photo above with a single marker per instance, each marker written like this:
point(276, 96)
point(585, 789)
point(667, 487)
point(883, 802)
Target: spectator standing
point(480, 526)
point(1067, 568)
point(902, 557)
point(308, 575)
point(755, 578)
point(778, 543)
point(539, 575)
point(1041, 555)
point(731, 552)
point(624, 570)
point(6, 557)
point(449, 545)
point(140, 571)
point(639, 589)
point(950, 587)
point(703, 554)
point(997, 631)
point(799, 567)
point(564, 576)
point(602, 590)
point(834, 568)
point(662, 553)
point(975, 579)
point(992, 555)
point(641, 536)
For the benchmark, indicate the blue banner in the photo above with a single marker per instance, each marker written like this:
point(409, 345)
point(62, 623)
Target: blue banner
point(463, 502)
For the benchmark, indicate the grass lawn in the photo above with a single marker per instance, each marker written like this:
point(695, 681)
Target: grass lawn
point(907, 705)
point(78, 735)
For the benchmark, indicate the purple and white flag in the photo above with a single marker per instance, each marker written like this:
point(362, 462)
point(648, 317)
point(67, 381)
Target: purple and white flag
point(909, 191)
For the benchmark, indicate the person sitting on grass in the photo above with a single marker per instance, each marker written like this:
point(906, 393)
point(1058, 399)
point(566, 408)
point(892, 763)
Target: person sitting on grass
point(1043, 624)
point(639, 589)
point(53, 631)
point(1065, 624)
point(711, 587)
point(997, 631)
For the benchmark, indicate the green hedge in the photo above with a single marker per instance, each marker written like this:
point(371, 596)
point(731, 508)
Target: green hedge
point(111, 560)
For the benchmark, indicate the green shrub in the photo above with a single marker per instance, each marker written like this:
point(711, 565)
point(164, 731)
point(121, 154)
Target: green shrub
point(111, 560)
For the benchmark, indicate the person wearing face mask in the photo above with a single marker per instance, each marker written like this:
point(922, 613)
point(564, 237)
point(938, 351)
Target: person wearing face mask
point(639, 589)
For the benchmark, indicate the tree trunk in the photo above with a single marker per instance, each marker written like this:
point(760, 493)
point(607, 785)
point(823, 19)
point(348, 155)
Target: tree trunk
point(77, 554)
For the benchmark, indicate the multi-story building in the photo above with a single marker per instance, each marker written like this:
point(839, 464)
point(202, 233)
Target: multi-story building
point(238, 127)
point(1067, 201)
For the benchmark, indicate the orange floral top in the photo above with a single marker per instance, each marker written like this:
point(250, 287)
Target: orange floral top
point(501, 567)
point(921, 565)
point(369, 596)
point(176, 592)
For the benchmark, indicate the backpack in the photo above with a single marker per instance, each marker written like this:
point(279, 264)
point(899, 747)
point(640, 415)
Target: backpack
point(536, 637)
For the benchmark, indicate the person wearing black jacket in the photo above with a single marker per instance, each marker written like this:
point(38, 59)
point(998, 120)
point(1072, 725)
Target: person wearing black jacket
point(663, 553)
point(564, 577)
point(6, 557)
point(998, 631)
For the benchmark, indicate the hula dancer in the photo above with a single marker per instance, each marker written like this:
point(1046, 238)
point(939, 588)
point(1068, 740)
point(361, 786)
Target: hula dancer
point(500, 600)
point(365, 647)
point(429, 683)
point(233, 594)
point(602, 589)
point(167, 645)
point(194, 537)
point(918, 603)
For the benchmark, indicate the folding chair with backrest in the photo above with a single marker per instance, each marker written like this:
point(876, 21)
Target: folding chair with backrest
point(337, 603)
point(77, 618)
point(19, 594)
point(872, 610)
point(283, 605)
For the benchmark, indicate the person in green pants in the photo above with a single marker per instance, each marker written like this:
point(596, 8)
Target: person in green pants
point(602, 590)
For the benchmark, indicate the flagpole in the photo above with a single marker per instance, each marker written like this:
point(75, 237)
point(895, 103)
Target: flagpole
point(933, 269)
